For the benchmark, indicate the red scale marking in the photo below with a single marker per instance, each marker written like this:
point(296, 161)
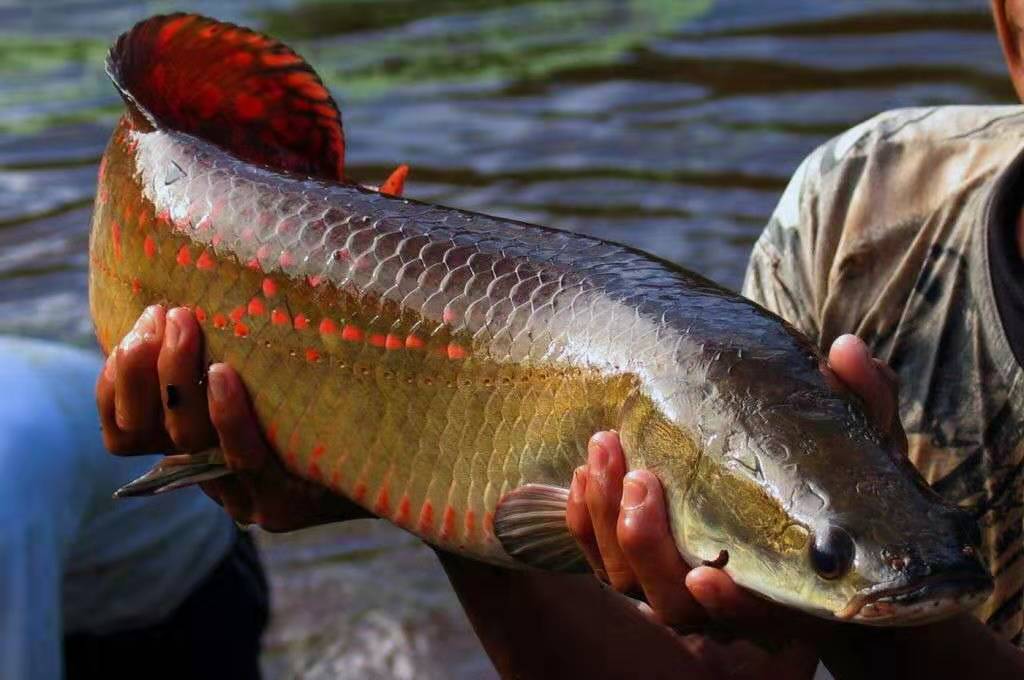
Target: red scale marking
point(318, 452)
point(269, 287)
point(393, 342)
point(359, 493)
point(286, 259)
point(219, 321)
point(448, 523)
point(312, 355)
point(414, 342)
point(256, 307)
point(351, 333)
point(378, 339)
point(449, 315)
point(301, 322)
point(272, 434)
point(404, 509)
point(314, 472)
point(426, 520)
point(336, 479)
point(200, 314)
point(254, 264)
point(184, 257)
point(328, 327)
point(115, 234)
point(314, 281)
point(489, 524)
point(470, 524)
point(279, 317)
point(241, 330)
point(237, 313)
point(456, 351)
point(383, 504)
point(149, 247)
point(136, 287)
point(206, 262)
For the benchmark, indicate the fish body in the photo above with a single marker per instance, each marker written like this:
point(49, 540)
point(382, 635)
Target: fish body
point(445, 369)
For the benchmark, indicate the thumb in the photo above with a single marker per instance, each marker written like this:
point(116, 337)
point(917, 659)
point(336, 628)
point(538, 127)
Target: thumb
point(870, 379)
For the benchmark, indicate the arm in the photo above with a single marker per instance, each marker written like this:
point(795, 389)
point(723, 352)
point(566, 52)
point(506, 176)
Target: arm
point(30, 592)
point(44, 493)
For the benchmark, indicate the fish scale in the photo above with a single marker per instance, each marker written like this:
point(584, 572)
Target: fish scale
point(444, 369)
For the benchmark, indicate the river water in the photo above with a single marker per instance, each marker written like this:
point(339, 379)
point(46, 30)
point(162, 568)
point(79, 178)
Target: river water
point(671, 125)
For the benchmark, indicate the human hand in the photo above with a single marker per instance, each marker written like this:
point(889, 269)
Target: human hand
point(621, 521)
point(154, 396)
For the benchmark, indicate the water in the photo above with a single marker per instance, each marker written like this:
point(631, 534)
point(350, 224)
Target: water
point(669, 125)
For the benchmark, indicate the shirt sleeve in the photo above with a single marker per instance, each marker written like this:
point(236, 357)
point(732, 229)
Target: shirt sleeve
point(40, 512)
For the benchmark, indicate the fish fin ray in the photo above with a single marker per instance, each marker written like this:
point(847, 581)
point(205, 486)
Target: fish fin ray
point(530, 524)
point(176, 472)
point(241, 90)
point(395, 183)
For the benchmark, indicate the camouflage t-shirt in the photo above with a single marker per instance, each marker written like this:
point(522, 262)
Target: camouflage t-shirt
point(883, 232)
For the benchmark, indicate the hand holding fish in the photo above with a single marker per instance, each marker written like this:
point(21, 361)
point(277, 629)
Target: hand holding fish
point(153, 397)
point(621, 520)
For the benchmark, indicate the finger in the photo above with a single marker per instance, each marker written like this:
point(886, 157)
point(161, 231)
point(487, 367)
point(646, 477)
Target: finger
point(231, 414)
point(179, 367)
point(232, 494)
point(137, 390)
point(577, 516)
point(114, 439)
point(723, 600)
point(852, 363)
point(606, 467)
point(650, 550)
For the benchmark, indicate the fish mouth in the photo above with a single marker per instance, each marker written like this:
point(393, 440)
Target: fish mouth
point(921, 601)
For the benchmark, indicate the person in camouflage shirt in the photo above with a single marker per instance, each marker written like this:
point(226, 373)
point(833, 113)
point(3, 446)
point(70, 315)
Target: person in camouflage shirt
point(906, 231)
point(925, 275)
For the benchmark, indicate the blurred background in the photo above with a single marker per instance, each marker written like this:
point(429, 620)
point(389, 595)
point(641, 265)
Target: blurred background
point(671, 125)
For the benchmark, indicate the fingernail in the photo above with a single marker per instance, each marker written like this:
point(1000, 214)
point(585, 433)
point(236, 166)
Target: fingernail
point(171, 333)
point(219, 388)
point(597, 456)
point(146, 325)
point(110, 368)
point(634, 491)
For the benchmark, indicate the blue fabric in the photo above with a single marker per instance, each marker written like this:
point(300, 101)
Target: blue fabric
point(73, 559)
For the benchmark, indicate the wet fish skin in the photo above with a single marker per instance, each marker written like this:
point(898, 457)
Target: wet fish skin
point(427, 362)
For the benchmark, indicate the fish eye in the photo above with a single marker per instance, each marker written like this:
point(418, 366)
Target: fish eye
point(831, 552)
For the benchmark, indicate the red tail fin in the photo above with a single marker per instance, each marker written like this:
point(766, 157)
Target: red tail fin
point(236, 88)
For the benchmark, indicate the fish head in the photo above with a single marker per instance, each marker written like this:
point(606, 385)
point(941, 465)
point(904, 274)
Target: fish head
point(813, 508)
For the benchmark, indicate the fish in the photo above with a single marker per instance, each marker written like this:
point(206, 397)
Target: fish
point(444, 369)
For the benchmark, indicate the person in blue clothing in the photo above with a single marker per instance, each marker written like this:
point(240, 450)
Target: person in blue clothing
point(96, 587)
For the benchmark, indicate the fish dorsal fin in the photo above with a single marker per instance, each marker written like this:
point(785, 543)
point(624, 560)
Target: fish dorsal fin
point(247, 93)
point(530, 524)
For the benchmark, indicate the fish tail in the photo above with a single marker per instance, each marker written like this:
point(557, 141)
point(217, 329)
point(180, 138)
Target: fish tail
point(238, 89)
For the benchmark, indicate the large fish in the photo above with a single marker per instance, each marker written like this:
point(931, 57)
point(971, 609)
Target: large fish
point(445, 369)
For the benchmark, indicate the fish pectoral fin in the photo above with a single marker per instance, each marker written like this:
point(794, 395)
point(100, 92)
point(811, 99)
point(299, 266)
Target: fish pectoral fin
point(395, 182)
point(175, 472)
point(530, 524)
